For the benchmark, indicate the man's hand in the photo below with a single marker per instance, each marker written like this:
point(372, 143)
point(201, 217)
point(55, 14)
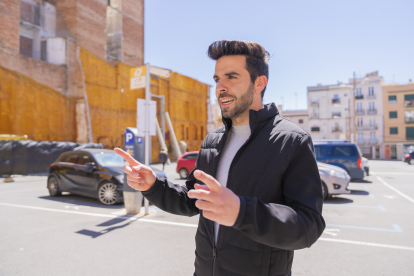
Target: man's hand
point(139, 177)
point(218, 203)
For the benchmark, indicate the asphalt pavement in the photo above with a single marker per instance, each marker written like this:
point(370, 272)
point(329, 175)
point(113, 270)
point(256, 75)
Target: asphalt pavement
point(369, 232)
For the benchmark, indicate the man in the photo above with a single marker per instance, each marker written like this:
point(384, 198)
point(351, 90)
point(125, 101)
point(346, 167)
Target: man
point(256, 184)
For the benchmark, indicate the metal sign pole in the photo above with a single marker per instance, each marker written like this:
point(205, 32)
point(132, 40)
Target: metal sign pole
point(147, 114)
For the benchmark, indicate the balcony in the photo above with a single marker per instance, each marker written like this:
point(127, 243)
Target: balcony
point(314, 103)
point(336, 115)
point(336, 129)
point(314, 116)
point(359, 97)
point(372, 111)
point(336, 101)
point(371, 141)
point(360, 112)
point(409, 103)
point(371, 97)
point(409, 120)
point(367, 127)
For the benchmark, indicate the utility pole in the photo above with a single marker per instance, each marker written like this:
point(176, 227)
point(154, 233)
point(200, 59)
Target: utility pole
point(354, 111)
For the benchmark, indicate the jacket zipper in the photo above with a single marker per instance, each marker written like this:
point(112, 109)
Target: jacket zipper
point(214, 260)
point(214, 246)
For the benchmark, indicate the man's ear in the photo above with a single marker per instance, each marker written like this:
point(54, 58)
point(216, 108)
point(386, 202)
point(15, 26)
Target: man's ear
point(260, 84)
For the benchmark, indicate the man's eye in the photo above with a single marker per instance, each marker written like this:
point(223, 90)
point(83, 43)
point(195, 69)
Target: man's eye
point(216, 80)
point(232, 77)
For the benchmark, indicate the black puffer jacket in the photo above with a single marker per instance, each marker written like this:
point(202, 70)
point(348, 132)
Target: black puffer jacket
point(276, 177)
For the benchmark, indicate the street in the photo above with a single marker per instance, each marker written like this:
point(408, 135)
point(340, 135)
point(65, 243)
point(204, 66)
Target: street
point(368, 232)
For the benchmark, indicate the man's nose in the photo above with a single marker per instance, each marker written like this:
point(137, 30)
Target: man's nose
point(221, 87)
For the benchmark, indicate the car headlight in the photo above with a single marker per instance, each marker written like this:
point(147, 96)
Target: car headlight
point(120, 178)
point(338, 174)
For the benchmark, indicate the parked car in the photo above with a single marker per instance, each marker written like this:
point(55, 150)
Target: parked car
point(94, 173)
point(186, 163)
point(365, 165)
point(409, 157)
point(334, 180)
point(343, 154)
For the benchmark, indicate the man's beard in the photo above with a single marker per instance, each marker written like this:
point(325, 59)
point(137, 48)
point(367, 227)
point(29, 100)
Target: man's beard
point(241, 105)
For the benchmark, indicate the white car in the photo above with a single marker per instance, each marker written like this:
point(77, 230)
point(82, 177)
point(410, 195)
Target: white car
point(365, 165)
point(334, 180)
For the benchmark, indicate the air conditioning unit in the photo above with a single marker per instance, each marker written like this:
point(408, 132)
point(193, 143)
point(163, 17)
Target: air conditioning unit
point(54, 50)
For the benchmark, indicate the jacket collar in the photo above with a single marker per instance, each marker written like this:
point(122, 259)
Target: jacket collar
point(256, 118)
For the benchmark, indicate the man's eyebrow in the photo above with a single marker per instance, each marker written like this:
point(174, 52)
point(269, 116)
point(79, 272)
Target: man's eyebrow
point(232, 73)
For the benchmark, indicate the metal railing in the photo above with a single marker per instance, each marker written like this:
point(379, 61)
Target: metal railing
point(314, 116)
point(372, 111)
point(371, 97)
point(359, 97)
point(409, 120)
point(408, 103)
point(314, 103)
point(367, 127)
point(336, 129)
point(336, 101)
point(336, 114)
point(360, 112)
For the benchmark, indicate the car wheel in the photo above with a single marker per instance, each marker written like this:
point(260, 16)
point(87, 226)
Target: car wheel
point(53, 186)
point(324, 190)
point(183, 173)
point(107, 193)
point(410, 162)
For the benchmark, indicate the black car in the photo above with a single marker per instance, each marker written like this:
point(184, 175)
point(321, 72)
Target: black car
point(94, 173)
point(408, 157)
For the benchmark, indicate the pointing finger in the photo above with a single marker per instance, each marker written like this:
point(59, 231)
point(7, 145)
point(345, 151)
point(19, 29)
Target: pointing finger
point(127, 157)
point(207, 179)
point(201, 187)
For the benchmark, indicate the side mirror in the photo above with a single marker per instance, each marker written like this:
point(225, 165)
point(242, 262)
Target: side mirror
point(90, 165)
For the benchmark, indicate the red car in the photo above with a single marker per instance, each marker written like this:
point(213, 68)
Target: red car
point(186, 163)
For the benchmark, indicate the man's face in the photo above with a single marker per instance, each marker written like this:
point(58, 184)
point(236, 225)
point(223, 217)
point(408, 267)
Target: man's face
point(234, 89)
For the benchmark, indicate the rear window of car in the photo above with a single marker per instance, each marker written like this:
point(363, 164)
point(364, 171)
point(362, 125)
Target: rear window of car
point(344, 151)
point(71, 158)
point(320, 151)
point(192, 156)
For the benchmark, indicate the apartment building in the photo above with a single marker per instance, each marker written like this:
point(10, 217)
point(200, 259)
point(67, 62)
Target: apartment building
point(329, 111)
point(297, 116)
point(369, 115)
point(398, 106)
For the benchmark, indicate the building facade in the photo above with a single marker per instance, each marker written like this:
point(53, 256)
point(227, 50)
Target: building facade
point(298, 116)
point(330, 110)
point(398, 106)
point(65, 73)
point(368, 115)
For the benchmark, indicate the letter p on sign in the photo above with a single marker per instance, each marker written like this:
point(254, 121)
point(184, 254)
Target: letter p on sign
point(129, 136)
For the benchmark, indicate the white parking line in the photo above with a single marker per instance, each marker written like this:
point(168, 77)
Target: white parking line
point(100, 215)
point(368, 244)
point(394, 189)
point(396, 228)
point(397, 173)
point(19, 191)
point(195, 225)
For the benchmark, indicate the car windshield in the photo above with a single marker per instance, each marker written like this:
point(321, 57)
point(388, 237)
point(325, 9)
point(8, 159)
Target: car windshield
point(109, 159)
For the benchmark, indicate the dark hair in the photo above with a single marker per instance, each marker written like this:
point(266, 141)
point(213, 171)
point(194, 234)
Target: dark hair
point(256, 56)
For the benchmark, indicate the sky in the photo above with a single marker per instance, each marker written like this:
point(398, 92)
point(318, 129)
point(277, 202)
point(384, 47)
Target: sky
point(310, 42)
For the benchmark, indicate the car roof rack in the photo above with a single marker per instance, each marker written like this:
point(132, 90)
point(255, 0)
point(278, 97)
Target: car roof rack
point(332, 141)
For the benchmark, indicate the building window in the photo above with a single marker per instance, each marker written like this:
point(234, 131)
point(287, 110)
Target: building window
point(37, 25)
point(409, 133)
point(409, 116)
point(371, 105)
point(371, 91)
point(392, 99)
point(114, 29)
point(300, 121)
point(315, 129)
point(358, 94)
point(195, 133)
point(359, 106)
point(393, 114)
point(409, 100)
point(394, 130)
